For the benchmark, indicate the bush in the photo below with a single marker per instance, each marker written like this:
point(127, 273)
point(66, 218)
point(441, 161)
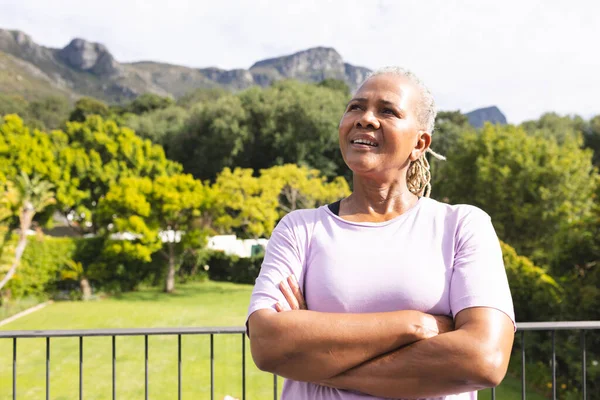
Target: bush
point(231, 268)
point(536, 295)
point(42, 261)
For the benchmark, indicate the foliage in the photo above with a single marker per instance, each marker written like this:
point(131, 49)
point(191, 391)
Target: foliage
point(147, 102)
point(87, 106)
point(289, 122)
point(530, 185)
point(41, 265)
point(231, 268)
point(536, 295)
point(149, 210)
point(99, 153)
point(336, 84)
point(48, 112)
point(592, 138)
point(300, 187)
point(160, 126)
point(242, 205)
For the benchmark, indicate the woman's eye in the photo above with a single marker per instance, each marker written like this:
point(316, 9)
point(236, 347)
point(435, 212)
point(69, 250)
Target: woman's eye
point(387, 111)
point(352, 107)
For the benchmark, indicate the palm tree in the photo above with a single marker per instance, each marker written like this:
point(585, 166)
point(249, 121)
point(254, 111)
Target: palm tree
point(26, 197)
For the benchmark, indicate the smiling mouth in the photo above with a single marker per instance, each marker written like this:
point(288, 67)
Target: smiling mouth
point(364, 142)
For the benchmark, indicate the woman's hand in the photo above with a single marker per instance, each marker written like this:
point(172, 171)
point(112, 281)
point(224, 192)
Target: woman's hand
point(292, 293)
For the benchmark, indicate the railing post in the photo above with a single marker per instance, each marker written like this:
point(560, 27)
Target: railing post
point(212, 366)
point(243, 366)
point(14, 388)
point(523, 387)
point(583, 366)
point(146, 366)
point(179, 367)
point(47, 368)
point(114, 368)
point(80, 367)
point(553, 365)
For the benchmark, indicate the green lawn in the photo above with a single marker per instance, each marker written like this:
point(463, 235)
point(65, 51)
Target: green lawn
point(194, 304)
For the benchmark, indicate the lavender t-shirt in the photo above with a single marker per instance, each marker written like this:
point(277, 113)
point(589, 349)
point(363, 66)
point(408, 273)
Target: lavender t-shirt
point(435, 258)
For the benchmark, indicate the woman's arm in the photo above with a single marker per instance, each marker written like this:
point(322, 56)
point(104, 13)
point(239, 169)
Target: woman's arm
point(472, 357)
point(312, 346)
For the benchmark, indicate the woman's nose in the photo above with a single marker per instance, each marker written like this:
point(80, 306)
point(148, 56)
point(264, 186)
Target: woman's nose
point(367, 120)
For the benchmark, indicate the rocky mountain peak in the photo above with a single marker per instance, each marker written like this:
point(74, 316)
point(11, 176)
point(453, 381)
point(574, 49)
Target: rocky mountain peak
point(91, 57)
point(316, 63)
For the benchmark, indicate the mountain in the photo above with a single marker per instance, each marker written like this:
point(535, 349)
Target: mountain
point(488, 114)
point(84, 68)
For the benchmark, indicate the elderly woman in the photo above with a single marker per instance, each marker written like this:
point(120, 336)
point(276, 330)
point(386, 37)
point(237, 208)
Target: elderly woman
point(406, 297)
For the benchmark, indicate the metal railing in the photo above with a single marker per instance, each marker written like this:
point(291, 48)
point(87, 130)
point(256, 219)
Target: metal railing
point(582, 326)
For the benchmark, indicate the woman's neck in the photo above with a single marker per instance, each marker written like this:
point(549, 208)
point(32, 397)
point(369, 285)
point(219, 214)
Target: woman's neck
point(376, 201)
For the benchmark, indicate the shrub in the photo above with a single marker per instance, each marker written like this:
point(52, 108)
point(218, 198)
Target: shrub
point(231, 268)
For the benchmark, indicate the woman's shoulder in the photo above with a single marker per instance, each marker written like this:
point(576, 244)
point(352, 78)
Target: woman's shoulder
point(301, 219)
point(459, 213)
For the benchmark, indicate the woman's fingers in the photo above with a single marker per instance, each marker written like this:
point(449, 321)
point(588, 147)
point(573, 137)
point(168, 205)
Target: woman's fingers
point(293, 283)
point(278, 307)
point(289, 296)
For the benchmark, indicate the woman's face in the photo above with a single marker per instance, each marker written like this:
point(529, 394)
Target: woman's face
point(379, 131)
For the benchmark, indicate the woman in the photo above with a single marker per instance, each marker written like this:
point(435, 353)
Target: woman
point(406, 297)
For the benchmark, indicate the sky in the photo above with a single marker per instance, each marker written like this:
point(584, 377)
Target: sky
point(526, 57)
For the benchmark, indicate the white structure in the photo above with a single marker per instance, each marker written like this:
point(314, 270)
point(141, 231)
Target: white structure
point(230, 244)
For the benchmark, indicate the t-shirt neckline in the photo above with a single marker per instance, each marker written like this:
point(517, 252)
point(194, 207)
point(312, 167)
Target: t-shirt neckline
point(399, 218)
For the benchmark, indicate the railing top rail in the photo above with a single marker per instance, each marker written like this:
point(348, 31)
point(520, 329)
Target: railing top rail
point(557, 325)
point(122, 332)
point(522, 326)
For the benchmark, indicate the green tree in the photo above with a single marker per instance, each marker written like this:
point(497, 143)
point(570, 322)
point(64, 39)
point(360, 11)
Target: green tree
point(99, 153)
point(212, 138)
point(48, 113)
point(148, 102)
point(166, 209)
point(592, 138)
point(87, 106)
point(242, 205)
point(531, 185)
point(160, 126)
point(336, 84)
point(289, 122)
point(27, 196)
point(301, 187)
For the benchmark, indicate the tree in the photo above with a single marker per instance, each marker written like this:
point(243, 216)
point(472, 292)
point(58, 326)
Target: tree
point(289, 122)
point(592, 138)
point(531, 185)
point(166, 209)
point(99, 153)
point(243, 205)
point(336, 84)
point(213, 137)
point(301, 187)
point(27, 196)
point(160, 126)
point(148, 102)
point(87, 106)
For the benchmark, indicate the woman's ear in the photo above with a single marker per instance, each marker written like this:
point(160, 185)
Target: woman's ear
point(421, 146)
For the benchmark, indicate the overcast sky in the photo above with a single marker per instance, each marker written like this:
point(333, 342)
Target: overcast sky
point(526, 57)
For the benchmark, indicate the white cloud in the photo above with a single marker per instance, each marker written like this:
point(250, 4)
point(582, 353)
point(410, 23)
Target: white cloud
point(527, 57)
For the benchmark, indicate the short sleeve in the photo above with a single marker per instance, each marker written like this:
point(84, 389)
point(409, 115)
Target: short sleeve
point(479, 277)
point(284, 256)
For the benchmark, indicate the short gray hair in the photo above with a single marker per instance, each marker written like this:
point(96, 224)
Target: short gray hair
point(427, 110)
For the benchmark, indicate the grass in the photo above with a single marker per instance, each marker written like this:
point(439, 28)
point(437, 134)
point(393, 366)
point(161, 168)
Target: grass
point(10, 308)
point(194, 304)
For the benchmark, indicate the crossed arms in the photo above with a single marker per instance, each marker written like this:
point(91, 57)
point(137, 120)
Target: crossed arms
point(406, 354)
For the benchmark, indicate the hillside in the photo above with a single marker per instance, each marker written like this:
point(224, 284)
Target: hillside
point(84, 68)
